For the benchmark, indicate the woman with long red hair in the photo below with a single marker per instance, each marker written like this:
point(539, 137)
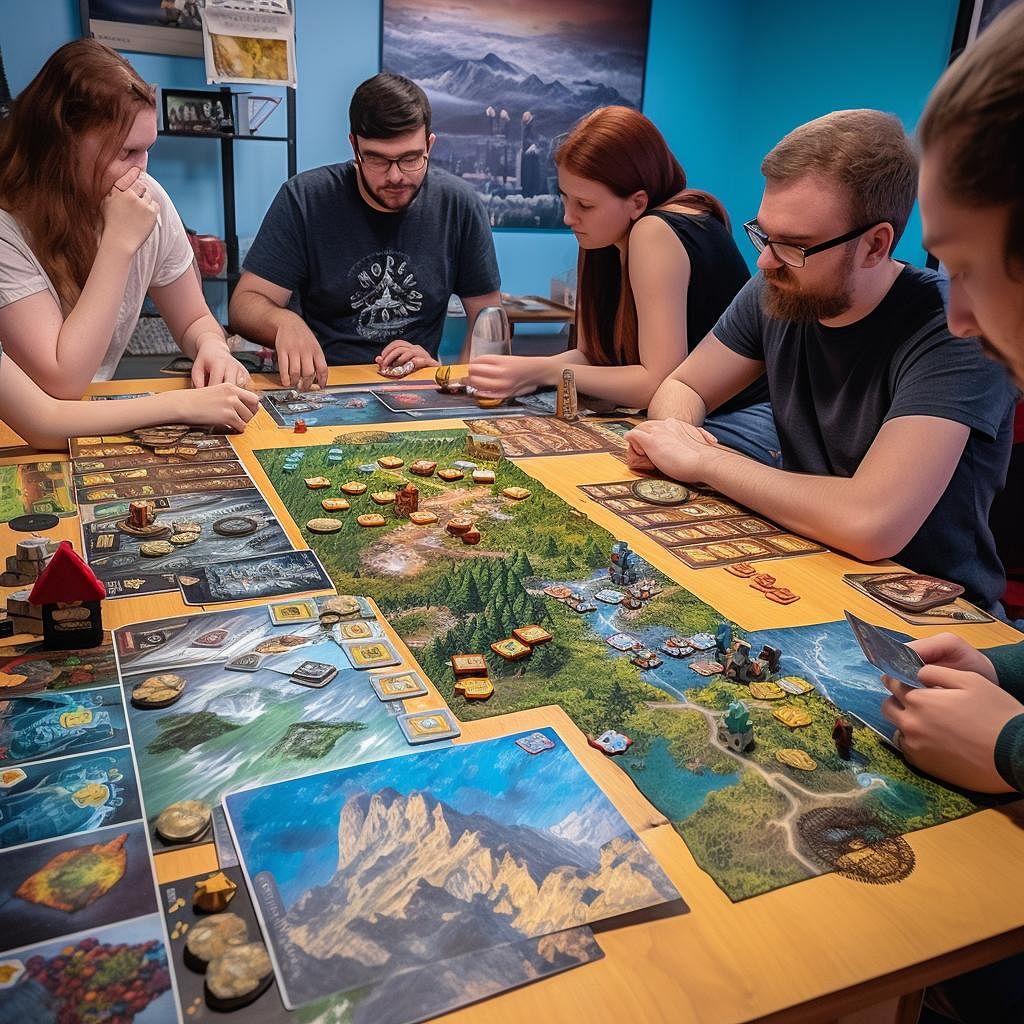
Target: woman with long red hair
point(657, 267)
point(85, 233)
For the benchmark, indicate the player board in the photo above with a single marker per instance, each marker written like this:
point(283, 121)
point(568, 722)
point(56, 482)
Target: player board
point(619, 658)
point(524, 436)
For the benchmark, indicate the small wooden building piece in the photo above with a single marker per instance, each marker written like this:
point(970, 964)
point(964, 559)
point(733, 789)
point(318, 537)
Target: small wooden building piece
point(69, 594)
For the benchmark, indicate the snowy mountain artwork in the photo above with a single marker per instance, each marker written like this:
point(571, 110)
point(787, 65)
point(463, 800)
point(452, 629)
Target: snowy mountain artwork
point(506, 81)
point(364, 872)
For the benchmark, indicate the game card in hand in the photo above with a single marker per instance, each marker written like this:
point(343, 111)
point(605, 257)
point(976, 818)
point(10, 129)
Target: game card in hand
point(889, 656)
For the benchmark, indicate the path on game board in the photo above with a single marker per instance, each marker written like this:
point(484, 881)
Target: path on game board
point(410, 549)
point(782, 784)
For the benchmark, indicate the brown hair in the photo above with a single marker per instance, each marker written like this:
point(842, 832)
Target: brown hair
point(865, 151)
point(977, 111)
point(623, 150)
point(84, 87)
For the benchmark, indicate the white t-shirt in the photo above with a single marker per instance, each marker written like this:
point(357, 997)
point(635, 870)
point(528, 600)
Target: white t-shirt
point(161, 259)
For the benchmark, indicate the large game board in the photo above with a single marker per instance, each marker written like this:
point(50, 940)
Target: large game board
point(35, 487)
point(753, 821)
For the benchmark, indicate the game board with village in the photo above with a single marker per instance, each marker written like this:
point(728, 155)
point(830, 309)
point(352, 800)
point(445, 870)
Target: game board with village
point(343, 818)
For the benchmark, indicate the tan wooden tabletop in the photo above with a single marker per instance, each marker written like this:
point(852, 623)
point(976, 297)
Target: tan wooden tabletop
point(813, 951)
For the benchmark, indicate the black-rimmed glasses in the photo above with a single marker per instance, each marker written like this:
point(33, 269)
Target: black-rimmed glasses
point(795, 255)
point(408, 164)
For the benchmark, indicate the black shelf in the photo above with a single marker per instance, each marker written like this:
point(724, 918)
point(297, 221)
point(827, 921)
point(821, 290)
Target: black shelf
point(224, 135)
point(227, 169)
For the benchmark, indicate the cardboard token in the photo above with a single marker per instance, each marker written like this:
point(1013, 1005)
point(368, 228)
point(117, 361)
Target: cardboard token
point(422, 518)
point(660, 492)
point(511, 649)
point(796, 759)
point(383, 497)
point(469, 664)
point(477, 689)
point(424, 726)
point(335, 504)
point(398, 685)
point(317, 483)
point(483, 476)
point(159, 691)
point(371, 519)
point(184, 821)
point(324, 525)
point(531, 635)
point(422, 467)
point(235, 526)
point(458, 525)
point(390, 462)
point(791, 716)
point(343, 605)
point(450, 474)
point(767, 691)
point(354, 487)
point(182, 539)
point(239, 976)
point(156, 548)
point(516, 493)
point(33, 521)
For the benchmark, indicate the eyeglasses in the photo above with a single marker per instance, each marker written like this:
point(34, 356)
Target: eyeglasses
point(795, 255)
point(408, 164)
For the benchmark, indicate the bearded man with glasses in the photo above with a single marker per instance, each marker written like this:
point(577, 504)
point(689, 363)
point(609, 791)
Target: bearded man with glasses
point(355, 262)
point(895, 434)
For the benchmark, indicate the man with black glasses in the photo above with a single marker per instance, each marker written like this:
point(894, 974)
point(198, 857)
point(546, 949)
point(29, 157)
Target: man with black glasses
point(895, 435)
point(355, 262)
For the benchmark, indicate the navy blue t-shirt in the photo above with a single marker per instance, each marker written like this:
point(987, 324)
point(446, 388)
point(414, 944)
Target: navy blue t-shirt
point(832, 388)
point(361, 278)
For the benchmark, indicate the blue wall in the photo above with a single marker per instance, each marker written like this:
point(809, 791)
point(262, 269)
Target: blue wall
point(725, 80)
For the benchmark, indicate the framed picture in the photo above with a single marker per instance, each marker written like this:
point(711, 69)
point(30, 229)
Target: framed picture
point(197, 112)
point(146, 26)
point(506, 81)
point(972, 18)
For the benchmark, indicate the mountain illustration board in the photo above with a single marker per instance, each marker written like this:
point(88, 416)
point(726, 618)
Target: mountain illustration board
point(361, 873)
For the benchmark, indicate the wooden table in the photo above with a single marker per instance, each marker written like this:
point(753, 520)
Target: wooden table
point(819, 950)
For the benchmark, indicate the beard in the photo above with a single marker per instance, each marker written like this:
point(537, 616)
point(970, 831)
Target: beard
point(803, 305)
point(389, 197)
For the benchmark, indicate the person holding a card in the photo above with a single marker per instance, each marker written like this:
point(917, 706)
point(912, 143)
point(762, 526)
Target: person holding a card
point(85, 233)
point(895, 435)
point(966, 725)
point(355, 262)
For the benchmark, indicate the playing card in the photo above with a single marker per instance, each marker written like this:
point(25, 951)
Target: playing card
point(889, 656)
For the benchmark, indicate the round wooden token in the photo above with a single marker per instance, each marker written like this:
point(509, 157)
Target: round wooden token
point(335, 504)
point(382, 497)
point(33, 521)
point(422, 518)
point(210, 937)
point(660, 492)
point(324, 525)
point(153, 531)
point(235, 526)
point(516, 493)
point(184, 821)
point(159, 691)
point(238, 976)
point(354, 487)
point(182, 539)
point(450, 474)
point(156, 548)
point(186, 526)
point(390, 462)
point(371, 519)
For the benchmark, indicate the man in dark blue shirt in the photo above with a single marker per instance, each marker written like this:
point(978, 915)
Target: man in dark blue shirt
point(895, 435)
point(355, 262)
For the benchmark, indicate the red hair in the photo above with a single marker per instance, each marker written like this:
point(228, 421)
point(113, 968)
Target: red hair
point(623, 150)
point(84, 87)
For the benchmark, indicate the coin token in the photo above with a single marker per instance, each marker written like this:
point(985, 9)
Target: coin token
point(159, 691)
point(186, 526)
point(324, 525)
point(354, 487)
point(184, 821)
point(660, 492)
point(156, 548)
point(33, 521)
point(183, 539)
point(235, 526)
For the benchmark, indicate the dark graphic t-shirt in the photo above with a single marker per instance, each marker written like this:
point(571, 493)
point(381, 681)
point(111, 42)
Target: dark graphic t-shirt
point(361, 278)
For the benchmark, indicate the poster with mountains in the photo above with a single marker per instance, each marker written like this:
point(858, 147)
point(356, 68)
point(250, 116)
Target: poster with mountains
point(362, 873)
point(506, 81)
